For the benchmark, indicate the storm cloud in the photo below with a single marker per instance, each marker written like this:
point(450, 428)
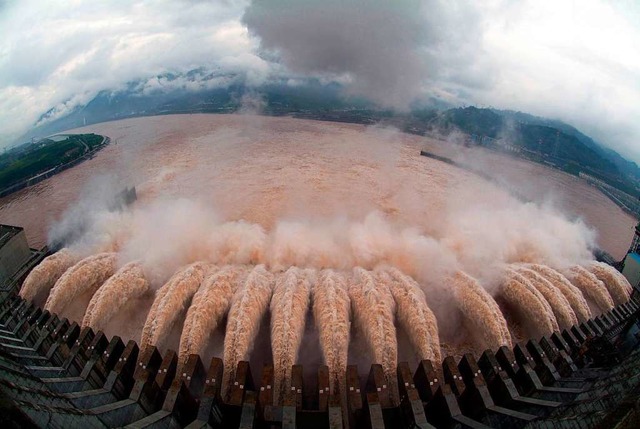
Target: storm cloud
point(378, 48)
point(576, 62)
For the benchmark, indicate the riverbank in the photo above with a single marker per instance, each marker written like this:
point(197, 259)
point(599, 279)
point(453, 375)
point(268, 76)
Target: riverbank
point(91, 151)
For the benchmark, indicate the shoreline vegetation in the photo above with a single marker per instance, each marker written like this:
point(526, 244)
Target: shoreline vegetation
point(33, 162)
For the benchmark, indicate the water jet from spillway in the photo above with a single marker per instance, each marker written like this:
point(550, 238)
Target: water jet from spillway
point(532, 310)
point(480, 312)
point(618, 288)
point(374, 310)
point(560, 306)
point(43, 277)
point(84, 277)
point(209, 306)
point(289, 305)
point(128, 283)
point(413, 313)
point(592, 288)
point(170, 303)
point(571, 293)
point(248, 307)
point(332, 314)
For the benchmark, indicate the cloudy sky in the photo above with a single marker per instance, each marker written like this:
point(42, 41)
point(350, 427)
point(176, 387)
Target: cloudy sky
point(578, 61)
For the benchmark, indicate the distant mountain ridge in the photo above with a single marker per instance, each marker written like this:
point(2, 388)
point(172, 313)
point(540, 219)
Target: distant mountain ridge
point(229, 94)
point(553, 140)
point(200, 91)
point(625, 166)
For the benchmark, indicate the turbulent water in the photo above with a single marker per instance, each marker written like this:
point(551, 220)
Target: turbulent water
point(332, 313)
point(289, 305)
point(170, 302)
point(41, 279)
point(261, 169)
point(558, 303)
point(85, 276)
point(127, 284)
point(210, 305)
point(265, 239)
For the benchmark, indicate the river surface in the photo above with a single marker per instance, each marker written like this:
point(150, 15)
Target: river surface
point(264, 170)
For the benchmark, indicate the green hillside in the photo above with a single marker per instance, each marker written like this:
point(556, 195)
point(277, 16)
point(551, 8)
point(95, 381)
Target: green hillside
point(542, 140)
point(30, 160)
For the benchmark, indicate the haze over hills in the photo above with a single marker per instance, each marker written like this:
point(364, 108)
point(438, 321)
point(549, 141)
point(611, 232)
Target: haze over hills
point(568, 148)
point(194, 93)
point(563, 145)
point(539, 139)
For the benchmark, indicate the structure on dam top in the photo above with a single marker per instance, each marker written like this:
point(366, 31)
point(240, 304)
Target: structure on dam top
point(16, 258)
point(631, 263)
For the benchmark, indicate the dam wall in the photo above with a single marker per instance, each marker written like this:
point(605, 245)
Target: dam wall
point(55, 374)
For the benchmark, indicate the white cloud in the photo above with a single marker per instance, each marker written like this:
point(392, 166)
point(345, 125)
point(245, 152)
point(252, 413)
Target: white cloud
point(575, 61)
point(59, 55)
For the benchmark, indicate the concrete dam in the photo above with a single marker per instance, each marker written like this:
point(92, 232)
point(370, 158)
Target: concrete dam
point(56, 372)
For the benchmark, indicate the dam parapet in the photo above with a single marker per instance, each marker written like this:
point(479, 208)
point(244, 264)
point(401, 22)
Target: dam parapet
point(54, 373)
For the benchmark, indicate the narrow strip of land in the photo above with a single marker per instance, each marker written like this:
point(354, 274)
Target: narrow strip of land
point(34, 162)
